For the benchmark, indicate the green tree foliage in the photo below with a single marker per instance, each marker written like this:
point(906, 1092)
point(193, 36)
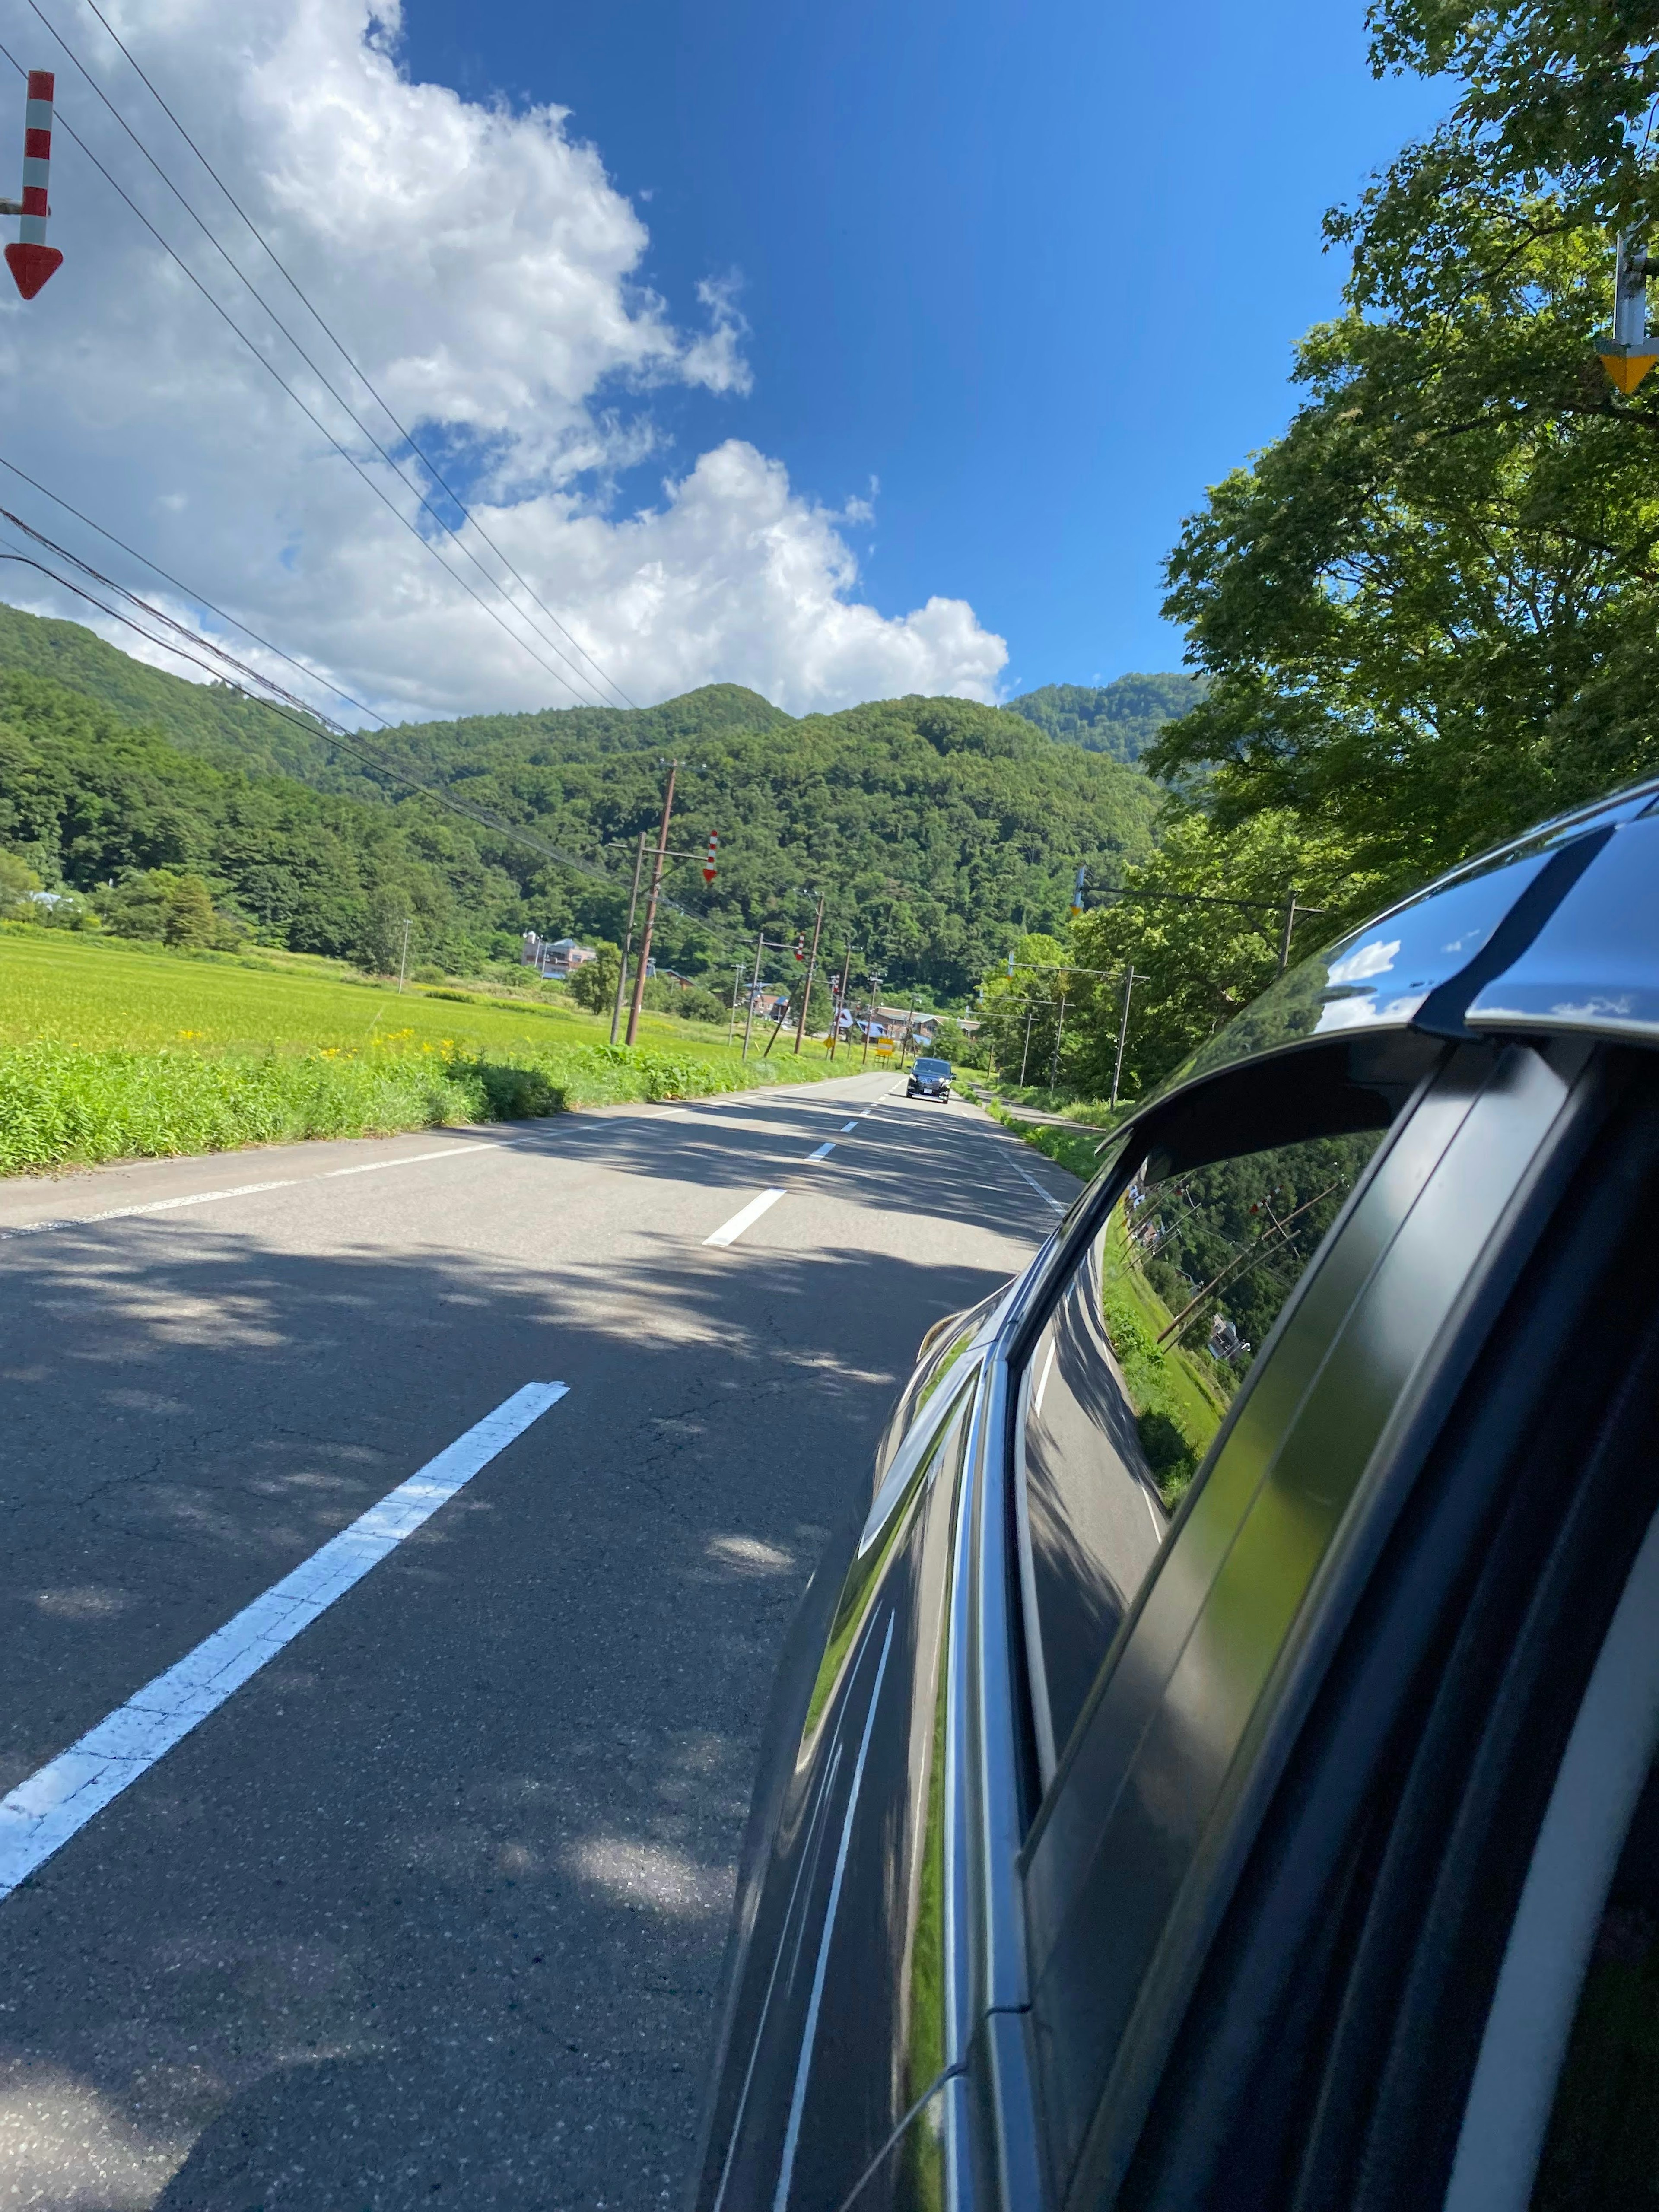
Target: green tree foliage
point(1197, 964)
point(173, 906)
point(1430, 612)
point(952, 1043)
point(593, 985)
point(1120, 719)
point(18, 884)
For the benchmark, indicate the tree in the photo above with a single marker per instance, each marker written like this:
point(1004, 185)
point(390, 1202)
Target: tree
point(1197, 965)
point(593, 985)
point(173, 905)
point(18, 884)
point(1429, 611)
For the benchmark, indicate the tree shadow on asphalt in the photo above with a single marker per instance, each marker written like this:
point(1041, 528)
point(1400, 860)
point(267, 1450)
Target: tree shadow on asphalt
point(436, 1905)
point(908, 1159)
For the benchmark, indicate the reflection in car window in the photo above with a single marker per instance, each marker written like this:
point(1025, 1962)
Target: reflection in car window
point(1602, 2148)
point(1131, 1377)
point(1197, 1266)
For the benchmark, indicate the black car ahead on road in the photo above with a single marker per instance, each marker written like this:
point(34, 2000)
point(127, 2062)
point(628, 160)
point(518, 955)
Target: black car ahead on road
point(929, 1078)
point(1158, 1817)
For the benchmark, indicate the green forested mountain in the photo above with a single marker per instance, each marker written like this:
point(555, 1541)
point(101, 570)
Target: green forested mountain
point(1120, 719)
point(936, 828)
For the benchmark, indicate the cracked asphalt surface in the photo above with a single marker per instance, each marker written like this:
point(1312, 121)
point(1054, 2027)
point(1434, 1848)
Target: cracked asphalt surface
point(433, 1909)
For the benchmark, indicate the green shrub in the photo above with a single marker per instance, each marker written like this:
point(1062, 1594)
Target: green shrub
point(1168, 1454)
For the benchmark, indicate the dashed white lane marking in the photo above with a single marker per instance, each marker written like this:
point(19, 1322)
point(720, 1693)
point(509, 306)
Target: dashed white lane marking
point(846, 1126)
point(41, 1815)
point(729, 1231)
point(823, 1152)
point(237, 1190)
point(1038, 1186)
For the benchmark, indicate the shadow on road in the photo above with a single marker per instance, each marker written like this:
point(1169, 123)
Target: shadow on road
point(434, 1908)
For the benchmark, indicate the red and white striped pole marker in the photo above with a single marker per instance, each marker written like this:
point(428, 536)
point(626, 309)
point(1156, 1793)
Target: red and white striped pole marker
point(708, 864)
point(31, 261)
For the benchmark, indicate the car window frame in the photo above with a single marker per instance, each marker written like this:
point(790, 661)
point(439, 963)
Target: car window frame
point(1166, 1978)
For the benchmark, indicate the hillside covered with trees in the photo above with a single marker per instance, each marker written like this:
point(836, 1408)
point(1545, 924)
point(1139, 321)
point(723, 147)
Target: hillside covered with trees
point(1120, 719)
point(936, 828)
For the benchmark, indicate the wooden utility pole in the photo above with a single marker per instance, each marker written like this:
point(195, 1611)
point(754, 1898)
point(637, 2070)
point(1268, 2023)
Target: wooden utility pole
point(749, 1016)
point(811, 971)
point(1290, 912)
point(627, 937)
point(1122, 1032)
point(638, 998)
point(840, 1006)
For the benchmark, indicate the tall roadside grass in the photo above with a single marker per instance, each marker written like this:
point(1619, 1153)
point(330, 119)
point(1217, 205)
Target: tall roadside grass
point(67, 1104)
point(108, 1051)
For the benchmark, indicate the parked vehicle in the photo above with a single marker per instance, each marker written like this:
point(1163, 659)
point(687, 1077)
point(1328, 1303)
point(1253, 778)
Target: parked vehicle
point(929, 1078)
point(1280, 1830)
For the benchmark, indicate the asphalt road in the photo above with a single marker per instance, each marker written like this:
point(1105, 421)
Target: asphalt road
point(431, 1909)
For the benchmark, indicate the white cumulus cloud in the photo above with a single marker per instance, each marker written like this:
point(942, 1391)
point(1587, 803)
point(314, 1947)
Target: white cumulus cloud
point(484, 274)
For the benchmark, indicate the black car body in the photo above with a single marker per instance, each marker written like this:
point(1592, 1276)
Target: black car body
point(929, 1078)
point(1236, 1854)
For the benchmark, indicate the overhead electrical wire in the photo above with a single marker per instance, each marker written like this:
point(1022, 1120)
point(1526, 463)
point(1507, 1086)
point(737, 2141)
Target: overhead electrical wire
point(156, 569)
point(311, 415)
point(338, 396)
point(339, 346)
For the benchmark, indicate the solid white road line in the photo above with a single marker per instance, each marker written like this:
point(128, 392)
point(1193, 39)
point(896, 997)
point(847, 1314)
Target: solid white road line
point(1037, 1187)
point(729, 1231)
point(237, 1190)
point(823, 1152)
point(158, 1205)
point(409, 1160)
point(41, 1815)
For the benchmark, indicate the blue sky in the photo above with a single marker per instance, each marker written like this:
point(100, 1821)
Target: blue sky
point(1038, 272)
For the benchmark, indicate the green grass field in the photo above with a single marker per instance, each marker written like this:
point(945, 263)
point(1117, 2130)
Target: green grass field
point(1179, 1404)
point(110, 1049)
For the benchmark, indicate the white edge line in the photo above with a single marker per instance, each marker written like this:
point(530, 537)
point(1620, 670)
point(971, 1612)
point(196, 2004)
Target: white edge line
point(729, 1231)
point(408, 1160)
point(1037, 1187)
point(156, 1206)
point(238, 1190)
point(57, 1801)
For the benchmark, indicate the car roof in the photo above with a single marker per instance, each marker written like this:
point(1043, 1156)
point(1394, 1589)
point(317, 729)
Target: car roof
point(1555, 929)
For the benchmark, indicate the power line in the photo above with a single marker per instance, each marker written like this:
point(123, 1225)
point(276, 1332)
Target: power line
point(339, 396)
point(339, 346)
point(196, 597)
point(255, 681)
point(272, 369)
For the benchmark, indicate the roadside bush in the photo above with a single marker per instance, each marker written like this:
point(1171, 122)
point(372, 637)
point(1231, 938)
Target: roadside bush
point(1170, 1457)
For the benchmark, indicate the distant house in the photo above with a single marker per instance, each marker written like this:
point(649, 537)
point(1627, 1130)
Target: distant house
point(556, 959)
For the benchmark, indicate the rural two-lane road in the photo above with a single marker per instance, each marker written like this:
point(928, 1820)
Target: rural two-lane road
point(430, 1909)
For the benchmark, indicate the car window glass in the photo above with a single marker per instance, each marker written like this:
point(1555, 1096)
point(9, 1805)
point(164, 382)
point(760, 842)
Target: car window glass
point(1129, 1379)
